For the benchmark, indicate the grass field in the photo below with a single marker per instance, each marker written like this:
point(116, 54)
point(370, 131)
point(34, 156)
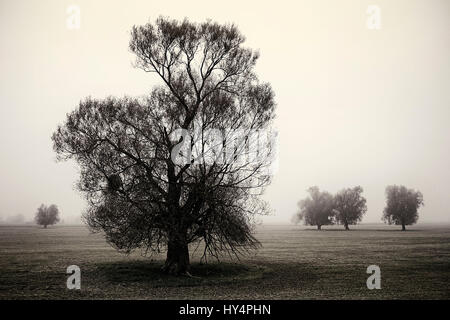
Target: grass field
point(293, 263)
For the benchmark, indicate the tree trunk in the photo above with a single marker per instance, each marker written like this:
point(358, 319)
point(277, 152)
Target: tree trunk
point(403, 227)
point(346, 226)
point(177, 261)
point(45, 226)
point(319, 227)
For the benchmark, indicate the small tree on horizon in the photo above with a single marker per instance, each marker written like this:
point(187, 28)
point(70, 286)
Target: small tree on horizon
point(46, 216)
point(317, 209)
point(349, 206)
point(402, 206)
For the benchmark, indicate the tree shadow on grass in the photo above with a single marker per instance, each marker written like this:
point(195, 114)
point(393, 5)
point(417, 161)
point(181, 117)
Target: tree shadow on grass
point(150, 274)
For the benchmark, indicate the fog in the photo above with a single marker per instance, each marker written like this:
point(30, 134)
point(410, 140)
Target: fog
point(355, 106)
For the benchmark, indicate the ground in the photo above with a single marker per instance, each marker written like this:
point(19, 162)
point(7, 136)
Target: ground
point(294, 262)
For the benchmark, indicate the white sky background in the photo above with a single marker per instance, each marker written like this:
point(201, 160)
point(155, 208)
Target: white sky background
point(355, 106)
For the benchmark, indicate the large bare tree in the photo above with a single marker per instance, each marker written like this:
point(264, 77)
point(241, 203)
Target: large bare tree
point(186, 163)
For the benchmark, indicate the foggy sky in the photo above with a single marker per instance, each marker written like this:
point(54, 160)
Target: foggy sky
point(354, 106)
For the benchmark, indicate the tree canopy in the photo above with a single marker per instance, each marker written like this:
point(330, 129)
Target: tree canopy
point(402, 205)
point(317, 209)
point(349, 206)
point(46, 216)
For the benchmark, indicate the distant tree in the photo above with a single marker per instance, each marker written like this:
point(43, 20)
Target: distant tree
point(46, 216)
point(349, 206)
point(317, 209)
point(139, 197)
point(402, 206)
